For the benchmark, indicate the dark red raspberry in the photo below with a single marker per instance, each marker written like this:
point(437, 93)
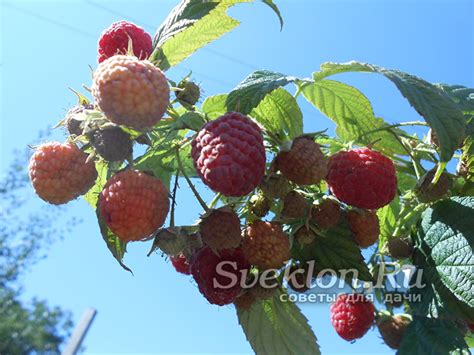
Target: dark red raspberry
point(393, 329)
point(365, 226)
point(112, 143)
point(220, 229)
point(229, 154)
point(427, 192)
point(60, 172)
point(134, 204)
point(295, 205)
point(362, 178)
point(181, 264)
point(326, 214)
point(400, 248)
point(471, 327)
point(114, 40)
point(266, 245)
point(213, 278)
point(352, 315)
point(304, 163)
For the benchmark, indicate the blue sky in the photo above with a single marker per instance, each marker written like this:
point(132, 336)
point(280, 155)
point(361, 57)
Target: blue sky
point(46, 47)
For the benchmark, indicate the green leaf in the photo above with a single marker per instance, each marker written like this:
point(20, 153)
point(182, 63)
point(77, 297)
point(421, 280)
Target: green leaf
point(438, 109)
point(214, 106)
point(277, 328)
point(93, 194)
point(447, 234)
point(432, 336)
point(468, 159)
point(461, 95)
point(276, 10)
point(189, 120)
point(279, 112)
point(248, 94)
point(336, 251)
point(191, 25)
point(353, 114)
point(388, 217)
point(117, 247)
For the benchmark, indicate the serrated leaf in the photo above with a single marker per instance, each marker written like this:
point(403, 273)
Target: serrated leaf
point(468, 159)
point(191, 25)
point(277, 328)
point(353, 114)
point(189, 120)
point(248, 94)
point(93, 194)
point(117, 247)
point(388, 217)
point(214, 106)
point(437, 108)
point(432, 336)
point(336, 251)
point(461, 95)
point(279, 113)
point(444, 252)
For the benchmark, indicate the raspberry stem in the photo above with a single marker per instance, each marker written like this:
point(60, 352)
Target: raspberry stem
point(191, 185)
point(173, 199)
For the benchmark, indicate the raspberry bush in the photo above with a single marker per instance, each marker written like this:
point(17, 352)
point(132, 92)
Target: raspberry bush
point(285, 199)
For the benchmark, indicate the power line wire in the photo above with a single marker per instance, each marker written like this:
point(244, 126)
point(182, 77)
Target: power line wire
point(152, 29)
point(219, 82)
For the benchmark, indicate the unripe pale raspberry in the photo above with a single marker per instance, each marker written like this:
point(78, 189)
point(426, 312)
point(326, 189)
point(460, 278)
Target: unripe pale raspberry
point(275, 186)
point(304, 236)
point(392, 330)
point(73, 125)
point(304, 163)
point(115, 39)
point(189, 94)
point(427, 192)
point(295, 205)
point(326, 214)
point(60, 172)
point(260, 205)
point(181, 264)
point(134, 204)
point(365, 226)
point(210, 271)
point(265, 245)
point(229, 154)
point(220, 229)
point(131, 92)
point(112, 143)
point(352, 315)
point(362, 178)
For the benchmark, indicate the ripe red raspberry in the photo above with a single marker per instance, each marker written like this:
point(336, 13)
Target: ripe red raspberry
point(181, 264)
point(393, 329)
point(326, 214)
point(265, 245)
point(134, 204)
point(131, 92)
point(220, 229)
point(211, 273)
point(362, 178)
point(229, 154)
point(295, 205)
point(59, 172)
point(352, 315)
point(304, 163)
point(114, 40)
point(365, 226)
point(426, 192)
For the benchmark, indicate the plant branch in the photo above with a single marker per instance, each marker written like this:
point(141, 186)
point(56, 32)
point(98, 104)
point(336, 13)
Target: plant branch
point(173, 199)
point(191, 185)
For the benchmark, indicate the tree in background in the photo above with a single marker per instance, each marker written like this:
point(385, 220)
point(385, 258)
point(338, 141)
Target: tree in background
point(25, 232)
